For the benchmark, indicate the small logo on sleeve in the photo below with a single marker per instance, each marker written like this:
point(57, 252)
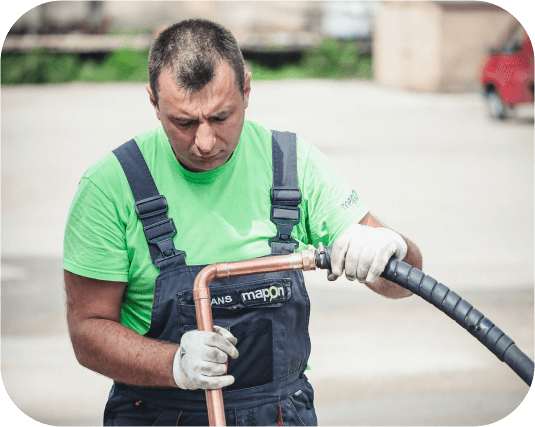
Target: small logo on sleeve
point(352, 200)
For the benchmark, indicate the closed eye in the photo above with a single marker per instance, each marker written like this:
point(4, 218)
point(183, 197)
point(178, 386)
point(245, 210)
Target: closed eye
point(185, 124)
point(223, 115)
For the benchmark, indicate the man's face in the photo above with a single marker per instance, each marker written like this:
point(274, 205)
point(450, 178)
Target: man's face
point(204, 127)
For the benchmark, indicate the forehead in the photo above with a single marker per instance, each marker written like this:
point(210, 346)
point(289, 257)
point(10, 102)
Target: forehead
point(221, 92)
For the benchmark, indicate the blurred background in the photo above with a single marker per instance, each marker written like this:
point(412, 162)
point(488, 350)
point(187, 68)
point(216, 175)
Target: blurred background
point(427, 107)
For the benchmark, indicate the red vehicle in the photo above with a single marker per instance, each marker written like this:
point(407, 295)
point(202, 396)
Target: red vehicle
point(507, 72)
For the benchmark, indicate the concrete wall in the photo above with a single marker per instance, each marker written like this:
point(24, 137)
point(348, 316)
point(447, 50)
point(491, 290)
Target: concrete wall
point(405, 46)
point(467, 35)
point(434, 46)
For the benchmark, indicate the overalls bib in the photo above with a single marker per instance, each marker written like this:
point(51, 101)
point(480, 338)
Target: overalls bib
point(268, 314)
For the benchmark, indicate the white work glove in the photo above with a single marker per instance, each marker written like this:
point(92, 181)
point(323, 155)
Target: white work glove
point(364, 251)
point(200, 361)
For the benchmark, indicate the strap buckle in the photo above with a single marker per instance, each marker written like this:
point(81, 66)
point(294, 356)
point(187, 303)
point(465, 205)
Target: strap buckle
point(285, 217)
point(164, 241)
point(285, 213)
point(151, 206)
point(160, 231)
point(167, 250)
point(285, 196)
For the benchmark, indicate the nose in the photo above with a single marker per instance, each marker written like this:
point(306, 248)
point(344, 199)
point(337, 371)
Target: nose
point(205, 138)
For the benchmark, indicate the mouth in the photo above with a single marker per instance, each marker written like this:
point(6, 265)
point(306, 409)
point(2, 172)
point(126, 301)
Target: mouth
point(207, 158)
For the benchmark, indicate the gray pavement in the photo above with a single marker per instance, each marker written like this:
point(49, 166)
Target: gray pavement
point(431, 166)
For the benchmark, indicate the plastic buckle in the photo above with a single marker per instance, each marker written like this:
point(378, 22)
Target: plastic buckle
point(151, 213)
point(166, 236)
point(293, 196)
point(276, 211)
point(284, 235)
point(164, 242)
point(167, 250)
point(284, 224)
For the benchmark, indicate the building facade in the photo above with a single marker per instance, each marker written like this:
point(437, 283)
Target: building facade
point(435, 46)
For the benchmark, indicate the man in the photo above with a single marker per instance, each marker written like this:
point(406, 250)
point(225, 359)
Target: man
point(235, 191)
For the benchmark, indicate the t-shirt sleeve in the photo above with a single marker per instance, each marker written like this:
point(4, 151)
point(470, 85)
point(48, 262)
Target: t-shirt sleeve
point(331, 202)
point(95, 244)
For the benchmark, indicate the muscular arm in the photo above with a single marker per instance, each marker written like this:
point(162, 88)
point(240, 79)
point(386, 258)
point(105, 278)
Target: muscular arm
point(103, 345)
point(413, 257)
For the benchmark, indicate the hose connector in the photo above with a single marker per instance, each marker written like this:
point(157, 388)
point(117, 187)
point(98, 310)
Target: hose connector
point(309, 262)
point(323, 257)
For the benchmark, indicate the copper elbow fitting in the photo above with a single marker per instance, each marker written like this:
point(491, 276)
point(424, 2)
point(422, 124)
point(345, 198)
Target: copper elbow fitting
point(304, 260)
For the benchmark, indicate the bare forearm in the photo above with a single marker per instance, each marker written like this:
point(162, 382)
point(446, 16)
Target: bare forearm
point(391, 290)
point(115, 351)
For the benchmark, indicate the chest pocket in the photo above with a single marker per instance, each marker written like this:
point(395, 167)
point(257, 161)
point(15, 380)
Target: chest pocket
point(255, 313)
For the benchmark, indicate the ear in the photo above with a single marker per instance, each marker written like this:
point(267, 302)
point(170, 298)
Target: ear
point(247, 88)
point(153, 101)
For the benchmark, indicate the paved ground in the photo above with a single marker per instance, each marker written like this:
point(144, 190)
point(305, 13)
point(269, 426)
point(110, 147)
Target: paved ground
point(431, 166)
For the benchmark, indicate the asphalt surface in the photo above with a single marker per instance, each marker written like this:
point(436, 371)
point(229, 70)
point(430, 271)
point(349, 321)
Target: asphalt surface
point(431, 166)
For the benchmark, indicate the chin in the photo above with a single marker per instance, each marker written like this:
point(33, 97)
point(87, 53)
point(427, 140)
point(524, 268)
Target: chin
point(206, 166)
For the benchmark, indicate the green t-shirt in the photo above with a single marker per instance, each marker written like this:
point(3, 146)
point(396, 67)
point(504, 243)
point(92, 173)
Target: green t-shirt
point(220, 215)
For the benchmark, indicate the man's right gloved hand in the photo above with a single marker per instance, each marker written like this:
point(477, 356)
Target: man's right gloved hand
point(200, 361)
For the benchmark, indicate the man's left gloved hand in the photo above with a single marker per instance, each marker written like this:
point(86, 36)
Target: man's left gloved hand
point(363, 252)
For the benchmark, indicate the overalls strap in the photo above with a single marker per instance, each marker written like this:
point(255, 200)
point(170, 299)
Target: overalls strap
point(285, 194)
point(151, 207)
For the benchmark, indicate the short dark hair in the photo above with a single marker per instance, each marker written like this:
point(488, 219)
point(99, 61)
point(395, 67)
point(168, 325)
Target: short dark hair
point(192, 50)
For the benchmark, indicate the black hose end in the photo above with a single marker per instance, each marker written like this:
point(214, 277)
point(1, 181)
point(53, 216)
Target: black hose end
point(323, 261)
point(323, 256)
point(520, 363)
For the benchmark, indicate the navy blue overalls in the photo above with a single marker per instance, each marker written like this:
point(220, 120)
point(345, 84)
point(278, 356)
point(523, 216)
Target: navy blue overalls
point(270, 387)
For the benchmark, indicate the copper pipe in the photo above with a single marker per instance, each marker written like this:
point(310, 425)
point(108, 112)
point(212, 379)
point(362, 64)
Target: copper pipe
point(304, 260)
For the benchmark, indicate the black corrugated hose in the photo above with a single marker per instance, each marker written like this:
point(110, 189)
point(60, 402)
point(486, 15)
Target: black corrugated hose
point(454, 306)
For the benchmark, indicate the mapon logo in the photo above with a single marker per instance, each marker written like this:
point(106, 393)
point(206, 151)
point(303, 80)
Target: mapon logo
point(273, 292)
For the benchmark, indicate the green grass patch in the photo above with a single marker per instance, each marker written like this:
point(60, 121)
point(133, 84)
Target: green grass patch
point(43, 66)
point(332, 59)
